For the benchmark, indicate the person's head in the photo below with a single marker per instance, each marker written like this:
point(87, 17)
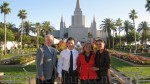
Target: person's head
point(87, 48)
point(70, 43)
point(49, 40)
point(100, 44)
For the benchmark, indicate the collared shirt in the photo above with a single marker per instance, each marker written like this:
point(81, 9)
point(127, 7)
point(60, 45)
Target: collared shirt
point(64, 61)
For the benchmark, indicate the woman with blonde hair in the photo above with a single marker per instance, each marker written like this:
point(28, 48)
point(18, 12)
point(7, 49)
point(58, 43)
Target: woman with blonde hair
point(85, 62)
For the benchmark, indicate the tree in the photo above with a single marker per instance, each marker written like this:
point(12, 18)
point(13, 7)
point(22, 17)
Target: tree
point(26, 39)
point(27, 27)
point(38, 29)
point(113, 27)
point(127, 28)
point(147, 6)
point(133, 16)
point(22, 15)
point(143, 27)
point(66, 35)
point(106, 26)
point(6, 10)
point(47, 28)
point(10, 35)
point(119, 24)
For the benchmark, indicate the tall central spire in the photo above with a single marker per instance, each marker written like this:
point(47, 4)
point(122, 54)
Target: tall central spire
point(78, 9)
point(78, 4)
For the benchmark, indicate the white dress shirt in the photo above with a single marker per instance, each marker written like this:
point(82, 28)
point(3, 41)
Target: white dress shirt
point(64, 61)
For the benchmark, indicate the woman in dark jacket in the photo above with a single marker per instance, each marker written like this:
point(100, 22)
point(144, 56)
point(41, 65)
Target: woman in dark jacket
point(85, 62)
point(102, 63)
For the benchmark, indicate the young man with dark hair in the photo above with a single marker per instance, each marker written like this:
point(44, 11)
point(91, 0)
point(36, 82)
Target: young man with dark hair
point(67, 65)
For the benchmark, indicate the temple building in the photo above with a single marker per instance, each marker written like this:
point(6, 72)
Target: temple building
point(77, 29)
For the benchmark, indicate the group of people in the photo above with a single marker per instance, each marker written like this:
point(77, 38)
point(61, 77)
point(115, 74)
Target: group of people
point(87, 66)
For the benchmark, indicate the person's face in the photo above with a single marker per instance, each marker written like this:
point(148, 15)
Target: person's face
point(87, 48)
point(100, 45)
point(70, 44)
point(49, 40)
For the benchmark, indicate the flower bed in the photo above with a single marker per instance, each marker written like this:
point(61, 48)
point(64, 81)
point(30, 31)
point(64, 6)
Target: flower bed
point(131, 58)
point(18, 60)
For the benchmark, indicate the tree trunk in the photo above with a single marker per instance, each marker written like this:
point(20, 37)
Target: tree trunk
point(37, 38)
point(5, 42)
point(119, 41)
point(113, 39)
point(21, 34)
point(134, 35)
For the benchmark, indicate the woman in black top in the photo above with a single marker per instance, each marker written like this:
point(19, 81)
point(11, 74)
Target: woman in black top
point(102, 63)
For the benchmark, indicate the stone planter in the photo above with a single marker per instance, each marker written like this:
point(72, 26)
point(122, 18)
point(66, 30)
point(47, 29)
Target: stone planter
point(1, 76)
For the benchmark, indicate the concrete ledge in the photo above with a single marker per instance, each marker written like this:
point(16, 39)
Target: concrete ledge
point(121, 81)
point(22, 65)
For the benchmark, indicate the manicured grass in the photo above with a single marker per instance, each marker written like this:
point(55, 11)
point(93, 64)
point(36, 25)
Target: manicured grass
point(144, 54)
point(131, 71)
point(9, 56)
point(18, 71)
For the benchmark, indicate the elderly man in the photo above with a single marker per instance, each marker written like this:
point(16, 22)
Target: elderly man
point(45, 62)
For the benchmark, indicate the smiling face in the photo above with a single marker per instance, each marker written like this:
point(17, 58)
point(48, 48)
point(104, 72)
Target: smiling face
point(49, 39)
point(100, 45)
point(87, 48)
point(70, 44)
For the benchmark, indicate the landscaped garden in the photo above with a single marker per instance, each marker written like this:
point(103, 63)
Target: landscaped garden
point(136, 59)
point(18, 60)
point(132, 71)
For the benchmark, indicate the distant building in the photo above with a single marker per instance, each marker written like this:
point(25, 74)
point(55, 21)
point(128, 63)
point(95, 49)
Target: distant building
point(77, 29)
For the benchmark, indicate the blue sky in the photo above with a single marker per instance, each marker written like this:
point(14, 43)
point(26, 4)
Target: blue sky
point(52, 10)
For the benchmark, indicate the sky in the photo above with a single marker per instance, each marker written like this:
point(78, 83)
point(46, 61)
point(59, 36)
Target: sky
point(53, 10)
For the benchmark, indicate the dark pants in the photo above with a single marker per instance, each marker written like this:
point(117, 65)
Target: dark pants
point(50, 81)
point(104, 80)
point(89, 81)
point(69, 78)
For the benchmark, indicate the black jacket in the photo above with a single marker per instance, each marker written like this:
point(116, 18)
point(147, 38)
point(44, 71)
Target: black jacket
point(102, 61)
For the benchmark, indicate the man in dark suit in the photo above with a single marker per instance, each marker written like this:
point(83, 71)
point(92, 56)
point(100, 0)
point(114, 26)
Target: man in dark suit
point(45, 62)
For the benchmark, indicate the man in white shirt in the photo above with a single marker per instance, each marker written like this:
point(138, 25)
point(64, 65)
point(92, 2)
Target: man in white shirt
point(67, 65)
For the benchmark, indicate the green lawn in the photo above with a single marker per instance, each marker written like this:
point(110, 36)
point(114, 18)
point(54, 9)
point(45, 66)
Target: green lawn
point(12, 71)
point(9, 56)
point(144, 54)
point(131, 71)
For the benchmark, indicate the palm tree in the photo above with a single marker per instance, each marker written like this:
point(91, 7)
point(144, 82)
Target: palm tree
point(47, 28)
point(10, 26)
point(127, 27)
point(22, 15)
point(143, 26)
point(6, 10)
point(27, 27)
point(147, 6)
point(113, 27)
point(133, 16)
point(37, 29)
point(119, 24)
point(106, 26)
